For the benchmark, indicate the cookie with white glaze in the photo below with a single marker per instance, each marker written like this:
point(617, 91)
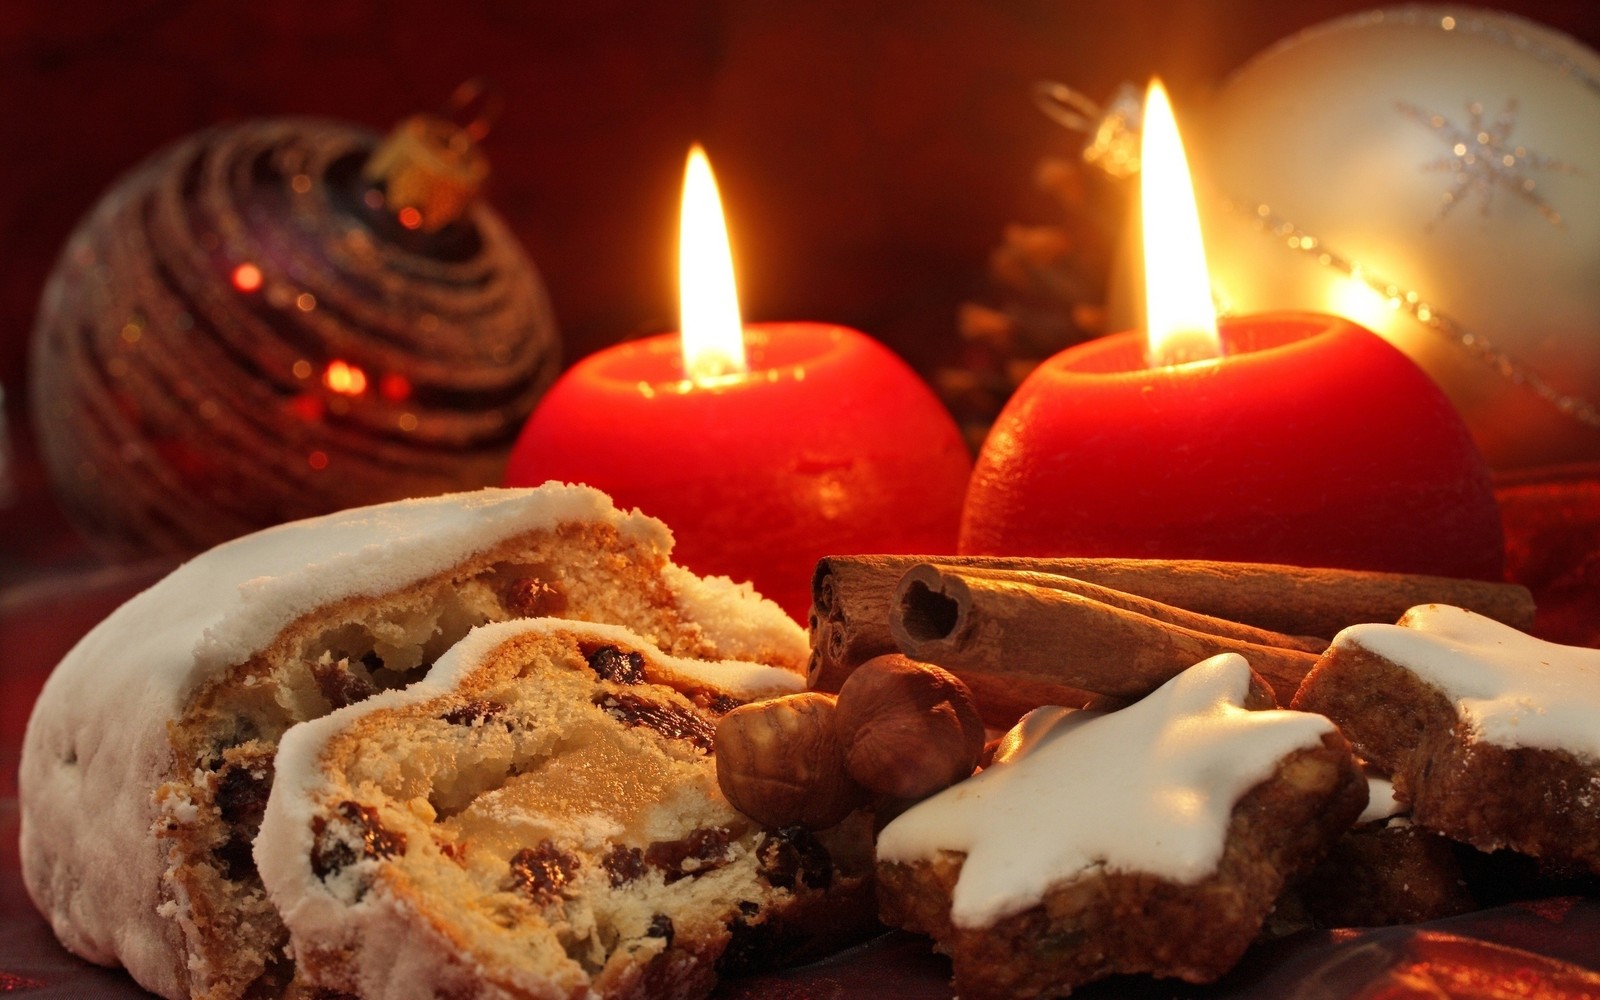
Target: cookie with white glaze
point(540, 818)
point(1491, 736)
point(1385, 870)
point(149, 755)
point(1153, 839)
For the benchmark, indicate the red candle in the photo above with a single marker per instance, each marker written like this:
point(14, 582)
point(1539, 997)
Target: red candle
point(1312, 442)
point(826, 443)
point(1302, 439)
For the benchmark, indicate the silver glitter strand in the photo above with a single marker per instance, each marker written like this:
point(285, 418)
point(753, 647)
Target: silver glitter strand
point(1413, 304)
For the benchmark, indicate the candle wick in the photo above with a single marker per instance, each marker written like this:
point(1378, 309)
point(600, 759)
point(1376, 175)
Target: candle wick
point(710, 365)
point(1184, 346)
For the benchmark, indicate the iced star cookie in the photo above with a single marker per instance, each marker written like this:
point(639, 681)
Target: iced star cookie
point(1490, 735)
point(1152, 839)
point(1385, 870)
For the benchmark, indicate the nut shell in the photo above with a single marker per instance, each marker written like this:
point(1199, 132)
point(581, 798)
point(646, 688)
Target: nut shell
point(780, 762)
point(909, 729)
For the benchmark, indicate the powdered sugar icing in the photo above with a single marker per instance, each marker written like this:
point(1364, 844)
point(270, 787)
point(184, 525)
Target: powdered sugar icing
point(1514, 690)
point(1149, 788)
point(1381, 803)
point(97, 738)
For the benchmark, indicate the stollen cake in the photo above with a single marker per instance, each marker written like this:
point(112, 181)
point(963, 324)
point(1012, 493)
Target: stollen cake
point(1491, 736)
point(540, 818)
point(1152, 839)
point(149, 755)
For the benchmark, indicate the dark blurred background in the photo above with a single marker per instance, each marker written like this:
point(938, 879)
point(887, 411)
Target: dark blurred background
point(870, 153)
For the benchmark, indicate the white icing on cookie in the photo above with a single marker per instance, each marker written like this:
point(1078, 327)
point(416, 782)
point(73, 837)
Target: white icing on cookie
point(1381, 803)
point(1149, 788)
point(1514, 690)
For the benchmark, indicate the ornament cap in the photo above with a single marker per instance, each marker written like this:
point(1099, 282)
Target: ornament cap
point(430, 170)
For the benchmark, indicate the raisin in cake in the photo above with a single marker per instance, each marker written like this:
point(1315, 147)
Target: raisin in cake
point(149, 755)
point(1153, 839)
point(539, 817)
point(1492, 737)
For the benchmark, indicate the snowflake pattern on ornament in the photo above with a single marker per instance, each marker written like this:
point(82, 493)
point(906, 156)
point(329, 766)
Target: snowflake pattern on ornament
point(1482, 158)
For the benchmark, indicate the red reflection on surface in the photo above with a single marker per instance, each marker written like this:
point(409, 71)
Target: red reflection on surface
point(394, 387)
point(247, 277)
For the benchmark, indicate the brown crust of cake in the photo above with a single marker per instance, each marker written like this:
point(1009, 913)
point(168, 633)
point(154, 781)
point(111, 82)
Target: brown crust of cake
point(1545, 803)
point(1108, 923)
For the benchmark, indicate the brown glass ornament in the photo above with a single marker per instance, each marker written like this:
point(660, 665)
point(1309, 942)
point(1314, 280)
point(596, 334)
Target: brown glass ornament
point(250, 327)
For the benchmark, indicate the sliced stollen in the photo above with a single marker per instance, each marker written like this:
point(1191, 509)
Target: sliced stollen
point(540, 818)
point(149, 755)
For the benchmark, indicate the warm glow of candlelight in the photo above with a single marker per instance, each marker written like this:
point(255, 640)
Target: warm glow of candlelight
point(708, 300)
point(247, 277)
point(1180, 319)
point(1350, 296)
point(344, 378)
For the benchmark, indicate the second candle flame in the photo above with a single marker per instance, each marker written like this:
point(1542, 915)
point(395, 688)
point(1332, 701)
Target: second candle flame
point(708, 300)
point(1180, 319)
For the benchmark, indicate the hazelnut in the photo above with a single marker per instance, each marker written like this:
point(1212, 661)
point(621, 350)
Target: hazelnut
point(780, 763)
point(908, 728)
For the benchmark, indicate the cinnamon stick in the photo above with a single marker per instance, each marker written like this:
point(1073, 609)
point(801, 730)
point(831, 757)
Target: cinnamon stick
point(850, 598)
point(970, 623)
point(855, 591)
point(1152, 609)
point(1002, 699)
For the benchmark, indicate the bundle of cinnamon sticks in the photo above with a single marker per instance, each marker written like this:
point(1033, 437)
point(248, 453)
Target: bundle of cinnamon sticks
point(1023, 632)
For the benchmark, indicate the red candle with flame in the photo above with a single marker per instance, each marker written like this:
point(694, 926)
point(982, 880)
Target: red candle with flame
point(765, 447)
point(1292, 438)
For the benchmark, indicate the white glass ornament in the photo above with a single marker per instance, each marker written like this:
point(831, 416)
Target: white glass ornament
point(1434, 173)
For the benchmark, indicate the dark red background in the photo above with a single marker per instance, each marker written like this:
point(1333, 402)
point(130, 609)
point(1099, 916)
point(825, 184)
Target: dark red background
point(870, 153)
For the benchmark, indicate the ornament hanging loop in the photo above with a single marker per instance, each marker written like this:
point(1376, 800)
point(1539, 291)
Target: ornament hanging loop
point(430, 169)
point(1113, 130)
point(1068, 108)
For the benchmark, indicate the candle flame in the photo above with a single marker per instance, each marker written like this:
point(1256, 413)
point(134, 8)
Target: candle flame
point(708, 300)
point(1180, 320)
